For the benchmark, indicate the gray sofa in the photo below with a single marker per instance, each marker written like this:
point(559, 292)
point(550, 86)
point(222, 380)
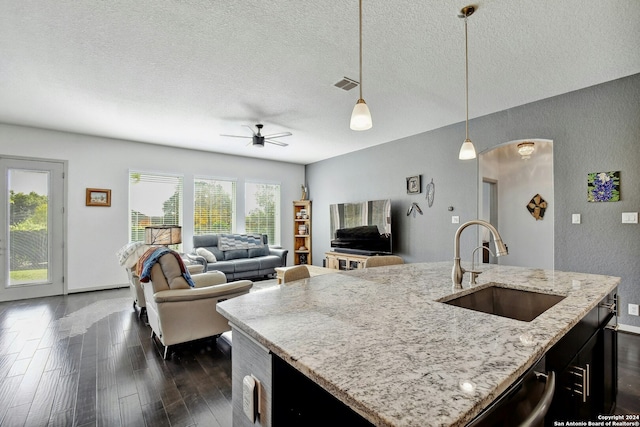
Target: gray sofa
point(239, 256)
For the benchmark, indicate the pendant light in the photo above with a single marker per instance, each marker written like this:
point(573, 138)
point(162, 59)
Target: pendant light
point(467, 151)
point(361, 116)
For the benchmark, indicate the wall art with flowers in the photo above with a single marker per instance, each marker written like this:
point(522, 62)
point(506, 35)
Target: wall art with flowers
point(603, 186)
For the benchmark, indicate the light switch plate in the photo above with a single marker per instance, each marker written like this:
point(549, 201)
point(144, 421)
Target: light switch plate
point(633, 309)
point(455, 219)
point(629, 217)
point(575, 219)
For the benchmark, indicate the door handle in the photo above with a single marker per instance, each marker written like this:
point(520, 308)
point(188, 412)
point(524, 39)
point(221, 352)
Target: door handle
point(581, 388)
point(544, 403)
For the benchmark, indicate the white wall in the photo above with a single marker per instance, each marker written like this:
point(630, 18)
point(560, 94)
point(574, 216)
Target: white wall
point(94, 234)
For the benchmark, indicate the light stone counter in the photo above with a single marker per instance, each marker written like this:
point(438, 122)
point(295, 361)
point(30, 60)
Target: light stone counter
point(379, 341)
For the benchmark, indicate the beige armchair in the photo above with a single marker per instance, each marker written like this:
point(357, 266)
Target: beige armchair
point(382, 260)
point(137, 293)
point(178, 313)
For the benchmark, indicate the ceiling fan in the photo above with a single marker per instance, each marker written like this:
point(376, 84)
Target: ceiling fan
point(258, 139)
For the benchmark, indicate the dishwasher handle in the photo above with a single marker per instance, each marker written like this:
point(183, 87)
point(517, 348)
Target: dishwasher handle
point(543, 405)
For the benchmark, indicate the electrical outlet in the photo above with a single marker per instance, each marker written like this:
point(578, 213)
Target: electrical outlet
point(575, 219)
point(455, 219)
point(633, 309)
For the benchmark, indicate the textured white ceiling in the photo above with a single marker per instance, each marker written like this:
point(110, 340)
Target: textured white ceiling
point(182, 72)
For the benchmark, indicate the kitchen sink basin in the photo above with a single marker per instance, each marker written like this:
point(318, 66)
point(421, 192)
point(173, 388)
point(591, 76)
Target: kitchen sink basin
point(507, 302)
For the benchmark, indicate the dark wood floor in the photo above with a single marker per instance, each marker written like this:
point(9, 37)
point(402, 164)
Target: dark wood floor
point(53, 372)
point(87, 360)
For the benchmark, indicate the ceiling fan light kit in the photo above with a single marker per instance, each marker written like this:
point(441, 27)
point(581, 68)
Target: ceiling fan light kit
point(361, 116)
point(467, 151)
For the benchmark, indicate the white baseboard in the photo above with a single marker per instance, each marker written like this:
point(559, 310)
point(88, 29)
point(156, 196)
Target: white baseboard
point(97, 288)
point(629, 328)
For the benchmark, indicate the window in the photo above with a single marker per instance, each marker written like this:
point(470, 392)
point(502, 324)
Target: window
point(262, 210)
point(214, 207)
point(153, 200)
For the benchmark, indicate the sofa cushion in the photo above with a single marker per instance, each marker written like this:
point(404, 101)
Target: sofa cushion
point(226, 267)
point(270, 261)
point(261, 251)
point(208, 255)
point(247, 264)
point(236, 254)
point(205, 240)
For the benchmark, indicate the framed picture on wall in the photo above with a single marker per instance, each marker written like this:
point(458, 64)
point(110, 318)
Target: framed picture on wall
point(603, 186)
point(414, 186)
point(98, 197)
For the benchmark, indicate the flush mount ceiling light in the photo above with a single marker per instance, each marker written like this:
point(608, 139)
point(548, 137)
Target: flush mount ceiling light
point(525, 149)
point(361, 116)
point(467, 151)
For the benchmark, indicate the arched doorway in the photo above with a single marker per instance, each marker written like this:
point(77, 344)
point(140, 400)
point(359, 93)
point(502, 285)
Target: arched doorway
point(516, 195)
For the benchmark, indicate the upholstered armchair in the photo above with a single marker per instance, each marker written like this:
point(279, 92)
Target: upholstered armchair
point(137, 293)
point(180, 313)
point(294, 273)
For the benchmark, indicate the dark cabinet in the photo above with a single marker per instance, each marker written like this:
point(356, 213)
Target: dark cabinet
point(585, 360)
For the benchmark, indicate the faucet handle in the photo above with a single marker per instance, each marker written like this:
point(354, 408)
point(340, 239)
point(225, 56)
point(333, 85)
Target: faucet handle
point(473, 274)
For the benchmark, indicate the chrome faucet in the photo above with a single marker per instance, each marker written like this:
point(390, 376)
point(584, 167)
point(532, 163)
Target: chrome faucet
point(458, 272)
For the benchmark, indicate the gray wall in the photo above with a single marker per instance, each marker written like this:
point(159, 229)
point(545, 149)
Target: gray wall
point(593, 130)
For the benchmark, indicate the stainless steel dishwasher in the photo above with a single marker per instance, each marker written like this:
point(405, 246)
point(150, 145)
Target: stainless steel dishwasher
point(523, 404)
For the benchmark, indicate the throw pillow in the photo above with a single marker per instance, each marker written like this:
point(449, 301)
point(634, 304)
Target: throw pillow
point(206, 254)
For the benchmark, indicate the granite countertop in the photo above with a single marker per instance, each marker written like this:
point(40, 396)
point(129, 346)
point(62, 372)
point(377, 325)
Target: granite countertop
point(379, 341)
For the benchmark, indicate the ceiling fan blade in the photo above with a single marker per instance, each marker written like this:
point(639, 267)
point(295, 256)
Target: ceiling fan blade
point(236, 136)
point(251, 129)
point(271, 141)
point(278, 135)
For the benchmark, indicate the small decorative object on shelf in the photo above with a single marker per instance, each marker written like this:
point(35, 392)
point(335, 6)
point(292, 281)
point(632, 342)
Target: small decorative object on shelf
point(302, 231)
point(304, 192)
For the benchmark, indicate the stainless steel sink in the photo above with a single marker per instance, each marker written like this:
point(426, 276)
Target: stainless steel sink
point(507, 302)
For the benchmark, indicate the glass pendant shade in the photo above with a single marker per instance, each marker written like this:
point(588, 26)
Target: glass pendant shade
point(467, 151)
point(361, 116)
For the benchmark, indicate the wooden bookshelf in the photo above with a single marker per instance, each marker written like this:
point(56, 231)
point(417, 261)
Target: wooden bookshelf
point(302, 232)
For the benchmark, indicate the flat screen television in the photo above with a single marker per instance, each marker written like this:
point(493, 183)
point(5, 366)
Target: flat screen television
point(361, 227)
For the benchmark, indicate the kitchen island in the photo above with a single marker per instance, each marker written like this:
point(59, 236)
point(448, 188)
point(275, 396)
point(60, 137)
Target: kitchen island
point(380, 341)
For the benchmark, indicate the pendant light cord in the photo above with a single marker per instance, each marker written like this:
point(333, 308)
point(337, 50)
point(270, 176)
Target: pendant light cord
point(466, 77)
point(360, 19)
